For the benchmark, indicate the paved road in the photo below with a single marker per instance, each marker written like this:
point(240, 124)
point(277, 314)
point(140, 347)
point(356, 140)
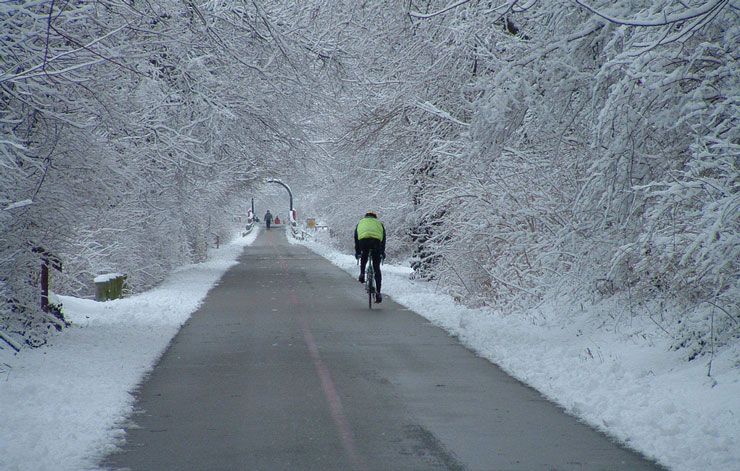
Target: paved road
point(285, 368)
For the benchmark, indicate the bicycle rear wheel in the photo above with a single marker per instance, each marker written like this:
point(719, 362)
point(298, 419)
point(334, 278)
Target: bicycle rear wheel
point(370, 288)
point(370, 284)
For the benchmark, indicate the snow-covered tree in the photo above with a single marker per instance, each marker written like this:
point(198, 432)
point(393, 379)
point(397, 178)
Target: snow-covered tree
point(134, 131)
point(515, 149)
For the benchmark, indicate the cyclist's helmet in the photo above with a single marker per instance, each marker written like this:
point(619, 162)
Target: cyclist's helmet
point(371, 214)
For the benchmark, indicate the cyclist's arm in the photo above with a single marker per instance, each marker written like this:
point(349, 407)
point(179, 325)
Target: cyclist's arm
point(357, 242)
point(382, 242)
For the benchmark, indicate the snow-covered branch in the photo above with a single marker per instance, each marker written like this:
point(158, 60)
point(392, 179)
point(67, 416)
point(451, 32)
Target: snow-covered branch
point(661, 19)
point(449, 7)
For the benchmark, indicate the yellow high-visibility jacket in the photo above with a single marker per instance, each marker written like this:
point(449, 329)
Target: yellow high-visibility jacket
point(370, 228)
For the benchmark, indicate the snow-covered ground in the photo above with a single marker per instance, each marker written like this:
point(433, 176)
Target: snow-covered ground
point(62, 406)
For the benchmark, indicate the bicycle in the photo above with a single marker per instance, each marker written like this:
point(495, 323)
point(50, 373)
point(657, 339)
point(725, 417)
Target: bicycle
point(370, 280)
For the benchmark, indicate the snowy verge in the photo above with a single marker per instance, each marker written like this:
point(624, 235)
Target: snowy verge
point(622, 380)
point(62, 406)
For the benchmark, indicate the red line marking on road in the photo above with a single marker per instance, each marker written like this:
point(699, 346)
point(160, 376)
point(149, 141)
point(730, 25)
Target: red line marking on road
point(327, 384)
point(332, 397)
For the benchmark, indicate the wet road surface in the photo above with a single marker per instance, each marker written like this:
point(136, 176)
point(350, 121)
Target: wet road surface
point(284, 368)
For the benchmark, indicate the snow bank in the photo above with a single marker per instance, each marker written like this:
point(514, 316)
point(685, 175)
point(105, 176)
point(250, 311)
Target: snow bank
point(62, 406)
point(621, 379)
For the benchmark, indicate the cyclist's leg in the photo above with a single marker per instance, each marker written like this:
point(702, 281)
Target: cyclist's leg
point(364, 251)
point(376, 265)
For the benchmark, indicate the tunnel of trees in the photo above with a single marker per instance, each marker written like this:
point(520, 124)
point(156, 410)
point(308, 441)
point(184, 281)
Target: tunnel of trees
point(518, 150)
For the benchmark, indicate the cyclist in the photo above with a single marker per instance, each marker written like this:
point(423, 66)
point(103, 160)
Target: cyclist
point(370, 234)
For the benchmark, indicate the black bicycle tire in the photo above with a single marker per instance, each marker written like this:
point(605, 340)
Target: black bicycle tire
point(370, 280)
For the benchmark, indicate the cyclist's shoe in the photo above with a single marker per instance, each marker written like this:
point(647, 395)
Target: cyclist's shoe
point(361, 279)
point(378, 298)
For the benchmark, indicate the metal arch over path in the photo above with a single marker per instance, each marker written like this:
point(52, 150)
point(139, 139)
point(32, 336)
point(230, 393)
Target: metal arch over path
point(290, 193)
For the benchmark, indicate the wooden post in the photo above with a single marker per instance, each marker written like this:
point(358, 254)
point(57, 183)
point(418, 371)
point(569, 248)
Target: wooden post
point(46, 259)
point(45, 284)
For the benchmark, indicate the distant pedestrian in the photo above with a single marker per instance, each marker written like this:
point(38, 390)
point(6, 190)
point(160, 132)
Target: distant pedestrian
point(268, 219)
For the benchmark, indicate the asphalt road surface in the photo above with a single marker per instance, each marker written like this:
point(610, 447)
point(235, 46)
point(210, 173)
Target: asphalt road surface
point(285, 368)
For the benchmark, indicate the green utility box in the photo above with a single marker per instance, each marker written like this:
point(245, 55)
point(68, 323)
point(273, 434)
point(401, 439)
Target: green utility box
point(109, 286)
